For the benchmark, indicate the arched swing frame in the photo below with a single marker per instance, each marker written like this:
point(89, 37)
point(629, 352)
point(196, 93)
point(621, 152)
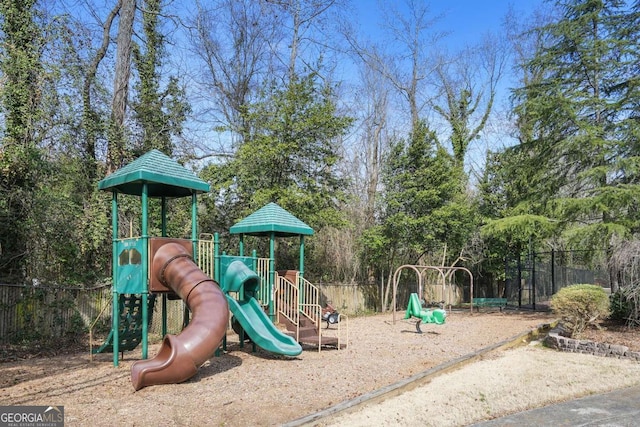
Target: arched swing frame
point(420, 270)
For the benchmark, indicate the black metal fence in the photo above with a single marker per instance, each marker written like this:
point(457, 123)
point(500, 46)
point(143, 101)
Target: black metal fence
point(532, 279)
point(32, 313)
point(41, 313)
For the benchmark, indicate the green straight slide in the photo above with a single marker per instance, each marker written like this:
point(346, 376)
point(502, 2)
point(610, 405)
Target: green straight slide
point(260, 329)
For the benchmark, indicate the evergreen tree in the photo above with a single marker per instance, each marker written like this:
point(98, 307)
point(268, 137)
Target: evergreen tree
point(425, 203)
point(426, 211)
point(290, 155)
point(578, 121)
point(573, 174)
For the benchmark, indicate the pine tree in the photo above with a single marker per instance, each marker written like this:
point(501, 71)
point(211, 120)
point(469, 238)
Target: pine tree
point(425, 202)
point(289, 155)
point(573, 175)
point(581, 124)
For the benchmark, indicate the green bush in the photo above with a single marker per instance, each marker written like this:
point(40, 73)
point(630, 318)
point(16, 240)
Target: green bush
point(580, 306)
point(621, 305)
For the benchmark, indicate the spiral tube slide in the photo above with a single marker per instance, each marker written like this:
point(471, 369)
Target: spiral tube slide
point(181, 355)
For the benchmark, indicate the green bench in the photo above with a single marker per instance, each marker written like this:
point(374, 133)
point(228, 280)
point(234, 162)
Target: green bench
point(490, 302)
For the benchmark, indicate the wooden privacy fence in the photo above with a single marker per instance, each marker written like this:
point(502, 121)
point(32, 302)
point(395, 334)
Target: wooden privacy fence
point(350, 298)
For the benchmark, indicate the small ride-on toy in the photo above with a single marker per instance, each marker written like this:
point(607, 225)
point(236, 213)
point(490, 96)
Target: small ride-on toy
point(330, 315)
point(415, 309)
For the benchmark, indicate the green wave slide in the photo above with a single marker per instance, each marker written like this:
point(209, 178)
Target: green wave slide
point(260, 329)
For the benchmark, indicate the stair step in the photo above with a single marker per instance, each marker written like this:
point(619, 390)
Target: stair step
point(326, 341)
point(308, 331)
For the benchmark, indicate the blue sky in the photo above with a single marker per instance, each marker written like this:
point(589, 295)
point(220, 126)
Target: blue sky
point(469, 19)
point(464, 20)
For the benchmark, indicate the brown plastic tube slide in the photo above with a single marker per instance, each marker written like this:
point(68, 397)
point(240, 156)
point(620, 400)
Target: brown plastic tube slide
point(181, 355)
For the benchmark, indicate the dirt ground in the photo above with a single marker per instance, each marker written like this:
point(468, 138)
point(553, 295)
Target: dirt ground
point(242, 387)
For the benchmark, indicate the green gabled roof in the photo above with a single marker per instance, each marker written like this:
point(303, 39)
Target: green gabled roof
point(163, 176)
point(271, 218)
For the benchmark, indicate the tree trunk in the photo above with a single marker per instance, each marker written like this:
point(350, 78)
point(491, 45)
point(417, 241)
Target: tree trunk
point(121, 85)
point(89, 116)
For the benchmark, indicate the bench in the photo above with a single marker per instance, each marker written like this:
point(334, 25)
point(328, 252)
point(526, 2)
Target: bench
point(490, 302)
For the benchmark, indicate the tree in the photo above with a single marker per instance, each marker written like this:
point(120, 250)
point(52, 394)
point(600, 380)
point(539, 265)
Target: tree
point(21, 162)
point(469, 89)
point(424, 211)
point(577, 120)
point(411, 64)
point(116, 154)
point(306, 33)
point(514, 190)
point(290, 157)
point(292, 153)
point(232, 38)
point(159, 113)
point(92, 121)
point(245, 45)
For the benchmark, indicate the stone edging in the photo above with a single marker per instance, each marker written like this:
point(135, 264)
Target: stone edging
point(556, 340)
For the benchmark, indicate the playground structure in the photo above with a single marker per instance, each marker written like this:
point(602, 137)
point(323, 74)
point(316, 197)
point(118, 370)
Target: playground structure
point(287, 297)
point(211, 285)
point(414, 308)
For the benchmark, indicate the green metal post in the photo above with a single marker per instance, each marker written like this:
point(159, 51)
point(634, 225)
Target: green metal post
point(216, 277)
point(301, 255)
point(164, 295)
point(194, 225)
point(300, 287)
point(254, 267)
point(241, 249)
point(164, 314)
point(163, 207)
point(272, 274)
point(194, 249)
point(115, 312)
point(145, 269)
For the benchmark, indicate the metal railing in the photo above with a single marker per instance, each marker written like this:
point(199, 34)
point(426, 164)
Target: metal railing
point(262, 269)
point(286, 296)
point(310, 301)
point(302, 298)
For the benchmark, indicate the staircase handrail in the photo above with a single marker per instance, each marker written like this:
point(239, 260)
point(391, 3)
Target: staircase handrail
point(312, 309)
point(286, 297)
point(313, 313)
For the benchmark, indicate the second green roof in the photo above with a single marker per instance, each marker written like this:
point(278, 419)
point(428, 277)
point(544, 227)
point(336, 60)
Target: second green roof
point(271, 218)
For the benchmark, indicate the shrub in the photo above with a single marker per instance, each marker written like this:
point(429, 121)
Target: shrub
point(621, 305)
point(580, 306)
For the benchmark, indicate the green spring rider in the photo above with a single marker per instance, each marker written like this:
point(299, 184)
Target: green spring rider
point(415, 309)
